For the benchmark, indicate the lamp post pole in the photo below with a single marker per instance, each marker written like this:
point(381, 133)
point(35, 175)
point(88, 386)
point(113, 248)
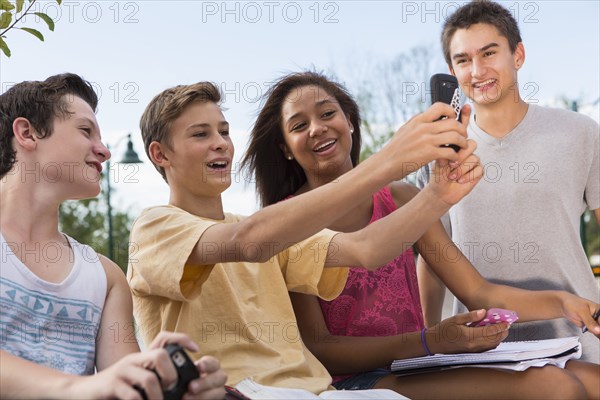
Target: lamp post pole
point(130, 157)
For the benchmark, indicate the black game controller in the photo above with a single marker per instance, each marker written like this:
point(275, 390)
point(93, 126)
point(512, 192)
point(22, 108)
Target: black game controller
point(186, 372)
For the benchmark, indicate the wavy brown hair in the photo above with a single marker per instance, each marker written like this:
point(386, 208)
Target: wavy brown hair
point(40, 102)
point(277, 177)
point(167, 106)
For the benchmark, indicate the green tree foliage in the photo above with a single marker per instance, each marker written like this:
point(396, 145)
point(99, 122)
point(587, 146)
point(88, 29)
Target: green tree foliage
point(591, 233)
point(12, 13)
point(85, 221)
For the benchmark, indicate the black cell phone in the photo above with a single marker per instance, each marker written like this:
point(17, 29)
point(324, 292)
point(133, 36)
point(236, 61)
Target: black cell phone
point(444, 88)
point(186, 372)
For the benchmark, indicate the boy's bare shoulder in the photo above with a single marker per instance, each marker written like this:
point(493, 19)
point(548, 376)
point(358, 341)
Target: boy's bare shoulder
point(114, 274)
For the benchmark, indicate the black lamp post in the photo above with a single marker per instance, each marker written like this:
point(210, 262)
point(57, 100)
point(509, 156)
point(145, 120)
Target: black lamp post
point(130, 157)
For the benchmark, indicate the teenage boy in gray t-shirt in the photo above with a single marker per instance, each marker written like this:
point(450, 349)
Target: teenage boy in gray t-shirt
point(520, 225)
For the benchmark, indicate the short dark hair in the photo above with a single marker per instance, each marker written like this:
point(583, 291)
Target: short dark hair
point(276, 177)
point(166, 106)
point(40, 102)
point(484, 12)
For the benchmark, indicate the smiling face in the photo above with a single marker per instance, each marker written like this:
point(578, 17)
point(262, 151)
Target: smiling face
point(317, 134)
point(485, 66)
point(198, 156)
point(71, 158)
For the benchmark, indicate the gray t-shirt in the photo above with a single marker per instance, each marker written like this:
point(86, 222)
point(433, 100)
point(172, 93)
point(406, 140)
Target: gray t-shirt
point(520, 225)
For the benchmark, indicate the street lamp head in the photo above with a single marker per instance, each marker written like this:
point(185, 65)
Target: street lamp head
point(130, 156)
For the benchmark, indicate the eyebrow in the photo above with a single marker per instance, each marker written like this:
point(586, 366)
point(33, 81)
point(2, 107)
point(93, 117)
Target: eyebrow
point(319, 103)
point(205, 125)
point(87, 121)
point(481, 50)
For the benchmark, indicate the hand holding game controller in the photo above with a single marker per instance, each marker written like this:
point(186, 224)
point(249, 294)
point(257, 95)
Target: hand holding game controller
point(496, 316)
point(186, 372)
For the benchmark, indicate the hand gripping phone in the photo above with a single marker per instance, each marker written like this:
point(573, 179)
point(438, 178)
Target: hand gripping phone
point(186, 372)
point(496, 316)
point(445, 88)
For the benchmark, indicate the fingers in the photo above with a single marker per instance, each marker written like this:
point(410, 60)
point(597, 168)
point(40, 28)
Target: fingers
point(208, 364)
point(212, 381)
point(468, 166)
point(470, 317)
point(591, 322)
point(437, 111)
point(465, 114)
point(160, 363)
point(164, 338)
point(467, 151)
point(470, 170)
point(141, 378)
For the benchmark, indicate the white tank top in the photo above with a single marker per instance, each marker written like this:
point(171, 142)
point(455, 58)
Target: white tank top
point(52, 324)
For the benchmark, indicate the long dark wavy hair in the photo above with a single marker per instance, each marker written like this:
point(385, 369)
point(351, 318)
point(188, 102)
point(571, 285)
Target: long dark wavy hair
point(277, 177)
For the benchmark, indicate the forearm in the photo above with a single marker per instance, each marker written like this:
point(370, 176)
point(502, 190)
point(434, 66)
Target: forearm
point(530, 305)
point(385, 239)
point(274, 228)
point(432, 292)
point(22, 379)
point(353, 354)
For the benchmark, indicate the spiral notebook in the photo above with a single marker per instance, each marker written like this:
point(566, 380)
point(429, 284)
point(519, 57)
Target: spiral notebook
point(516, 356)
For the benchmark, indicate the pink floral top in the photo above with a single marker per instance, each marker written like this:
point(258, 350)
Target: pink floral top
point(383, 302)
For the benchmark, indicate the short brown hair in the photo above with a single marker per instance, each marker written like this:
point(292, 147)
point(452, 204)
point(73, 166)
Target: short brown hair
point(276, 177)
point(167, 106)
point(481, 12)
point(40, 102)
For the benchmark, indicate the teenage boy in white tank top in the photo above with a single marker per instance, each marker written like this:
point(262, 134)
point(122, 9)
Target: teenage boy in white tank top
point(60, 302)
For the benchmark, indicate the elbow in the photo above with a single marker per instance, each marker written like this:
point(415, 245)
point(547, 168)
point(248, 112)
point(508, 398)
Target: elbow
point(366, 255)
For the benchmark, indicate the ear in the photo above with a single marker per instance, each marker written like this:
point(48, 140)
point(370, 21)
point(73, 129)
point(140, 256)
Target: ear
point(519, 55)
point(286, 152)
point(350, 126)
point(24, 133)
point(156, 151)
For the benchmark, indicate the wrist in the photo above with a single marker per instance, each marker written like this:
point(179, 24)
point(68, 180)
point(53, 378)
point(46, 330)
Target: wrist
point(424, 342)
point(433, 201)
point(562, 299)
point(378, 169)
point(65, 386)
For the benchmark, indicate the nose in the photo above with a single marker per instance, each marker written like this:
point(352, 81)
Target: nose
point(102, 152)
point(317, 128)
point(220, 143)
point(477, 68)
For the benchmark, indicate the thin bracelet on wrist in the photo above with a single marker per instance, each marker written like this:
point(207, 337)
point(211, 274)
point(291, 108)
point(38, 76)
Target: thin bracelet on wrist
point(424, 343)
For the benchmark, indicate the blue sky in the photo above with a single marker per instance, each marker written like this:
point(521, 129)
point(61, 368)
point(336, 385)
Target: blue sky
point(132, 50)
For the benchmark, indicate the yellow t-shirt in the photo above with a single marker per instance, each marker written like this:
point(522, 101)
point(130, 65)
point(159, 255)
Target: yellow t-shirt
point(239, 312)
